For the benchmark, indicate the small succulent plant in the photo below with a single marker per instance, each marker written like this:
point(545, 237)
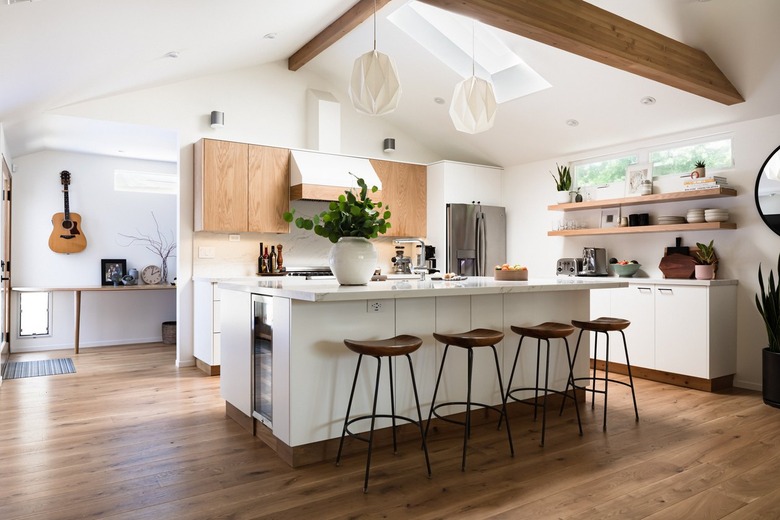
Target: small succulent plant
point(699, 164)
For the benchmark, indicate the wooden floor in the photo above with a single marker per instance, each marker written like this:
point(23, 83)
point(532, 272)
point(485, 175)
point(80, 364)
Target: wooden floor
point(130, 436)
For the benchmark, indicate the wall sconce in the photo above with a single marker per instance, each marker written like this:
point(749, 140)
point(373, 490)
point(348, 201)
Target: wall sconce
point(217, 119)
point(388, 145)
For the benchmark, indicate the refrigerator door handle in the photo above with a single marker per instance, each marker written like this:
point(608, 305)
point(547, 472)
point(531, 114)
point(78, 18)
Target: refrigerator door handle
point(481, 245)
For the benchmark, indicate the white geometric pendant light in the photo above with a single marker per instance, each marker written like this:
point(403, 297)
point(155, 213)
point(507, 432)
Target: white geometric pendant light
point(473, 107)
point(374, 87)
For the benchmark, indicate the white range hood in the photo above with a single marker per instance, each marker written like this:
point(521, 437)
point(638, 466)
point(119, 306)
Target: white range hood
point(324, 176)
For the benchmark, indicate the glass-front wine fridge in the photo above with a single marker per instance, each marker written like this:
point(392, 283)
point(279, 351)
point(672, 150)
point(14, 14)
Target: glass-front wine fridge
point(262, 354)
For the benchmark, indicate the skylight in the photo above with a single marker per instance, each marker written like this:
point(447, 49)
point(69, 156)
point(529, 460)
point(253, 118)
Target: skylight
point(448, 36)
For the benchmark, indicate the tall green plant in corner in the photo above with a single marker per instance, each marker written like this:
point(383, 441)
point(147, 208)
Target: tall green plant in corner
point(769, 307)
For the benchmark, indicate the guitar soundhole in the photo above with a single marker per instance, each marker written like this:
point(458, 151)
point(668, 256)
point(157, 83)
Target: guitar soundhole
point(67, 224)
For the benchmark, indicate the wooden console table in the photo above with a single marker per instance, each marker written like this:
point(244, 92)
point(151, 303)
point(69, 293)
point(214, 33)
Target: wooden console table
point(77, 299)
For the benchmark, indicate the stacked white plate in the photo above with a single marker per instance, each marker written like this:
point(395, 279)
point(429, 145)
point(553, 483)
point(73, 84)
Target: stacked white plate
point(716, 215)
point(695, 216)
point(670, 219)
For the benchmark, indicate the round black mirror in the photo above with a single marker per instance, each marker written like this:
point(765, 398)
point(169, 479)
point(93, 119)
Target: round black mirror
point(768, 191)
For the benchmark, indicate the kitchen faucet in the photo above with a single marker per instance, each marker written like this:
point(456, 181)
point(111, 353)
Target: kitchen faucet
point(420, 268)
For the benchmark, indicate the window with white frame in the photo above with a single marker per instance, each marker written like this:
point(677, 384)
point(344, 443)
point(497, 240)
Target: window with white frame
point(672, 159)
point(681, 158)
point(34, 315)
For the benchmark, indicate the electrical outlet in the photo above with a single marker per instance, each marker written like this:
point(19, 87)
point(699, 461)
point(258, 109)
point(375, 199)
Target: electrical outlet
point(205, 252)
point(374, 306)
point(234, 238)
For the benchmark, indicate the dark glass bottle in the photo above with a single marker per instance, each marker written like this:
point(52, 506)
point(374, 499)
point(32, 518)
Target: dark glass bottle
point(265, 260)
point(272, 260)
point(260, 263)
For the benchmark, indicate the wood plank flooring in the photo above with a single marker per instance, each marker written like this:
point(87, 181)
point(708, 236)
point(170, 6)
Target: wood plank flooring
point(129, 436)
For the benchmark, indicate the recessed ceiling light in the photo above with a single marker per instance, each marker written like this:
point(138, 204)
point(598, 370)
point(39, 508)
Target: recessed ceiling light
point(647, 100)
point(438, 100)
point(572, 122)
point(172, 54)
point(270, 36)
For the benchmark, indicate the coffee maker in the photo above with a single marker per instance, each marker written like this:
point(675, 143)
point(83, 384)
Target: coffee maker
point(594, 261)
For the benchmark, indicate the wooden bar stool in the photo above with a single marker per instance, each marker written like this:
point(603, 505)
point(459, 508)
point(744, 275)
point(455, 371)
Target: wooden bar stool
point(603, 325)
point(544, 332)
point(470, 340)
point(402, 345)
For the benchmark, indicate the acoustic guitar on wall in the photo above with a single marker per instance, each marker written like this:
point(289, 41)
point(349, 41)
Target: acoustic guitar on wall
point(66, 237)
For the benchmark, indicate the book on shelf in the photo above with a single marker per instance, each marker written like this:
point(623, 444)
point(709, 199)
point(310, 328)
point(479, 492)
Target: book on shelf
point(704, 186)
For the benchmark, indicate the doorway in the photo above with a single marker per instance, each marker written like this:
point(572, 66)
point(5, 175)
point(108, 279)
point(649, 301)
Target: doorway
point(5, 269)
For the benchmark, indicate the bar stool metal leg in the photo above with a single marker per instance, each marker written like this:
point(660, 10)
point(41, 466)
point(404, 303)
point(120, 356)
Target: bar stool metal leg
point(349, 409)
point(503, 402)
point(419, 414)
point(630, 378)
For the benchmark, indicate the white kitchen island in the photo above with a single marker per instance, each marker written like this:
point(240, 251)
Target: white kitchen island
point(313, 370)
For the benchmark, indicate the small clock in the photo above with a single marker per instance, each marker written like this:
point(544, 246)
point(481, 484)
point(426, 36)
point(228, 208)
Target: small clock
point(151, 275)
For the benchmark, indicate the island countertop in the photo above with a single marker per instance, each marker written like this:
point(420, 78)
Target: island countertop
point(297, 288)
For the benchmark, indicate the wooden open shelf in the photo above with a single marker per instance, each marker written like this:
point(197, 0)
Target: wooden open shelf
point(677, 196)
point(704, 226)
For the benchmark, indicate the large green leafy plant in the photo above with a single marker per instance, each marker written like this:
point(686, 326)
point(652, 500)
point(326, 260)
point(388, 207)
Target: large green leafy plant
point(769, 307)
point(350, 216)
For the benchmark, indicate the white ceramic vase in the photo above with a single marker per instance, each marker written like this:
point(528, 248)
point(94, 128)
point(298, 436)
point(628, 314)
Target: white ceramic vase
point(562, 197)
point(352, 260)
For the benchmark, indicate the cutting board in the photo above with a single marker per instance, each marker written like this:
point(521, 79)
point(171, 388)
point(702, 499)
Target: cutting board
point(677, 265)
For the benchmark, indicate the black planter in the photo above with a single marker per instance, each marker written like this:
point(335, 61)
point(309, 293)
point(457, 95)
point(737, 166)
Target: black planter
point(770, 377)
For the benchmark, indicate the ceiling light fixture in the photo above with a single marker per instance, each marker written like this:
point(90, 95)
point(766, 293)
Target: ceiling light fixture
point(374, 88)
point(438, 100)
point(172, 54)
point(572, 122)
point(269, 36)
point(647, 100)
point(473, 107)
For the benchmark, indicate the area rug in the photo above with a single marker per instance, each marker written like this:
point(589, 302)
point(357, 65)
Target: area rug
point(44, 367)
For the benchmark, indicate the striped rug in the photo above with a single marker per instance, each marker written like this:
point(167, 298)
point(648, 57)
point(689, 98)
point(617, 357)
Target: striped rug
point(44, 367)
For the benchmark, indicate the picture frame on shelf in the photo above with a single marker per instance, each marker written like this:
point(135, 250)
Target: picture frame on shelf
point(610, 217)
point(635, 175)
point(112, 270)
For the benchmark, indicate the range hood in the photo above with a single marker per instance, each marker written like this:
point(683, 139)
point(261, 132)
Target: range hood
point(323, 176)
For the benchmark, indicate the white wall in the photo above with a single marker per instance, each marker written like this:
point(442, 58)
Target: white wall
point(529, 189)
point(262, 105)
point(110, 318)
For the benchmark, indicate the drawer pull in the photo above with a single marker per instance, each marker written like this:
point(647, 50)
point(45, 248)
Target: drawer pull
point(665, 290)
point(644, 289)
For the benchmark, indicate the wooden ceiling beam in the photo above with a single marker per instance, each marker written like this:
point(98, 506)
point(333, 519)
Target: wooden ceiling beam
point(356, 15)
point(588, 31)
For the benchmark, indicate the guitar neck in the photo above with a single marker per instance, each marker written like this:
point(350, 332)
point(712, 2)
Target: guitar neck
point(66, 201)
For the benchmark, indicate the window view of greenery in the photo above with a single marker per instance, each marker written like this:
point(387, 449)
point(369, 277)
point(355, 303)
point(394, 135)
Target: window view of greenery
point(603, 172)
point(715, 154)
point(33, 313)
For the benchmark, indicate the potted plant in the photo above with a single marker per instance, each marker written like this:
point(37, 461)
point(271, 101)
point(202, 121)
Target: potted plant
point(769, 308)
point(562, 183)
point(705, 261)
point(699, 169)
point(349, 222)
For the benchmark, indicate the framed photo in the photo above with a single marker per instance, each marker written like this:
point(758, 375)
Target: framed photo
point(610, 217)
point(635, 174)
point(112, 269)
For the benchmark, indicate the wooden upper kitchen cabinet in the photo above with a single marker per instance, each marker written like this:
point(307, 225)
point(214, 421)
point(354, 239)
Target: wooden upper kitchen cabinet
point(240, 187)
point(405, 192)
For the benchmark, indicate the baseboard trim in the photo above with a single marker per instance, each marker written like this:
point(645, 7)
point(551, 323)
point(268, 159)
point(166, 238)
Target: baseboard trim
point(209, 370)
point(697, 383)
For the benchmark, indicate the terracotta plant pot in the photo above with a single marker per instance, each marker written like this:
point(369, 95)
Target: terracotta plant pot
point(704, 272)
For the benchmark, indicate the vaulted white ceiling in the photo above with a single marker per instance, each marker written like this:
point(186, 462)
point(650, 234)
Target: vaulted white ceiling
point(58, 52)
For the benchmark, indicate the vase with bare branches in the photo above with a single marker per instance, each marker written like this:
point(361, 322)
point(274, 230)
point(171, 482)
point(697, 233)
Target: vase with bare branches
point(158, 243)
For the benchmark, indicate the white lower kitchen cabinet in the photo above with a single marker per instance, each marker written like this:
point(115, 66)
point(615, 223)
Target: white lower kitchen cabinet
point(680, 333)
point(206, 327)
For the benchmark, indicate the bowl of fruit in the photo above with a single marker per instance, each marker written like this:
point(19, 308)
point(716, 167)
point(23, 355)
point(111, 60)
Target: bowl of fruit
point(625, 268)
point(509, 272)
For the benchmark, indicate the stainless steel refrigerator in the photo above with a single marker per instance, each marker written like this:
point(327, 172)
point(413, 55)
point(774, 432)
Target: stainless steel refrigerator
point(476, 239)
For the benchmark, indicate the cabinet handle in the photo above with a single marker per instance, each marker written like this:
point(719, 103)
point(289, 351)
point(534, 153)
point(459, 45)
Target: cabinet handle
point(665, 290)
point(644, 289)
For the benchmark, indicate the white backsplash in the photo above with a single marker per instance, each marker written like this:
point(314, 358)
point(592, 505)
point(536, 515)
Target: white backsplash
point(299, 248)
